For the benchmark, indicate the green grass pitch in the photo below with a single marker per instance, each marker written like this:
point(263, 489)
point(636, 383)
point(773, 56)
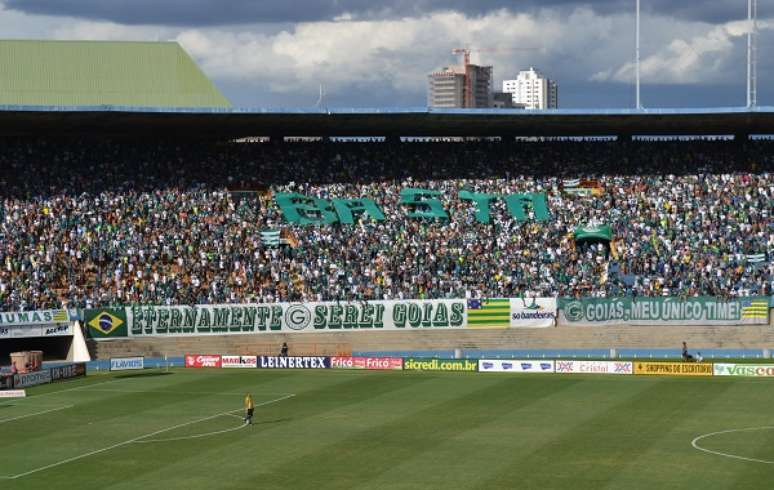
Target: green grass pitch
point(347, 429)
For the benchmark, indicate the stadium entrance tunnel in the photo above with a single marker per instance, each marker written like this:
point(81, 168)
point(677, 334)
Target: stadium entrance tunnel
point(54, 348)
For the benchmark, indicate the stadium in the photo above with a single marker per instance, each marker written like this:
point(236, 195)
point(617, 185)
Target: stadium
point(411, 298)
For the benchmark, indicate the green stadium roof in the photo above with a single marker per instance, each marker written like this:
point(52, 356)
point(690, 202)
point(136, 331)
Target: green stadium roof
point(77, 73)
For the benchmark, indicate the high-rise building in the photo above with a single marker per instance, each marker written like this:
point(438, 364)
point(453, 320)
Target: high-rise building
point(449, 87)
point(533, 90)
point(446, 88)
point(504, 100)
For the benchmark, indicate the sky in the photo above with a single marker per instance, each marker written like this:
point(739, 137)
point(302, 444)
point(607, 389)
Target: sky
point(377, 53)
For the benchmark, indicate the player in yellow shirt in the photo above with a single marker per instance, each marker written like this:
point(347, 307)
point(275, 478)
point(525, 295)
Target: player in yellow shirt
point(249, 407)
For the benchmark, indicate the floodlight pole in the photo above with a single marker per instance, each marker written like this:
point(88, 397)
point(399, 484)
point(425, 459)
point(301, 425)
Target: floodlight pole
point(637, 56)
point(752, 53)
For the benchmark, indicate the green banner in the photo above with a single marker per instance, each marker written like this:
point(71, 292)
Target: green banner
point(412, 364)
point(416, 203)
point(601, 232)
point(106, 323)
point(703, 310)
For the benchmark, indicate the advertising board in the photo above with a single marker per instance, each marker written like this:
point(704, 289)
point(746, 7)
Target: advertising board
point(382, 363)
point(202, 361)
point(595, 367)
point(68, 371)
point(748, 370)
point(13, 394)
point(298, 362)
point(127, 363)
point(413, 364)
point(32, 331)
point(515, 366)
point(533, 312)
point(32, 379)
point(673, 368)
point(6, 382)
point(239, 362)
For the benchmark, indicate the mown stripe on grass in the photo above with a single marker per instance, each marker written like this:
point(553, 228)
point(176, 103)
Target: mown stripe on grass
point(491, 447)
point(100, 419)
point(753, 473)
point(187, 463)
point(367, 453)
point(672, 459)
point(593, 453)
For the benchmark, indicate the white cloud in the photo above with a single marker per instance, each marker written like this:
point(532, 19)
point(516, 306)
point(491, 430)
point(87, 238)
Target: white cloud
point(101, 31)
point(17, 25)
point(701, 58)
point(398, 53)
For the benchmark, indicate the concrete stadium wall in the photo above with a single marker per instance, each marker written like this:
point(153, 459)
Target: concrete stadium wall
point(343, 343)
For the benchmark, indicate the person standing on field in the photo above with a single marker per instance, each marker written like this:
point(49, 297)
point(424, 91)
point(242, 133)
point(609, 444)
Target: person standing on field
point(249, 408)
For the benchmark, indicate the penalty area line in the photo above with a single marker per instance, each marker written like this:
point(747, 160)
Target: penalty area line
point(213, 433)
point(195, 436)
point(136, 439)
point(2, 421)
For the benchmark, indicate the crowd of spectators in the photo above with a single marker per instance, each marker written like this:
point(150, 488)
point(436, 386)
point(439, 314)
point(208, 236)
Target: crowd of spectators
point(108, 223)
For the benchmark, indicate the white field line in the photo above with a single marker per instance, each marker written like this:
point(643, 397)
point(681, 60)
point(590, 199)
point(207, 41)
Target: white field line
point(69, 389)
point(207, 434)
point(165, 392)
point(196, 436)
point(695, 444)
point(2, 421)
point(130, 441)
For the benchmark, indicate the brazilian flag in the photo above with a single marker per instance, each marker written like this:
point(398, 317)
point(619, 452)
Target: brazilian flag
point(106, 323)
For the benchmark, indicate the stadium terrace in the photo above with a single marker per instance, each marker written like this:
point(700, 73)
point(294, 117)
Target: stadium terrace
point(123, 223)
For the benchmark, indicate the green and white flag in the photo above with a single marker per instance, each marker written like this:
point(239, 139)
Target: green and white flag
point(756, 258)
point(270, 238)
point(593, 232)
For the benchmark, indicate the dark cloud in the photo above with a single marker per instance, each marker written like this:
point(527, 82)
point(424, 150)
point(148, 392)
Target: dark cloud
point(222, 12)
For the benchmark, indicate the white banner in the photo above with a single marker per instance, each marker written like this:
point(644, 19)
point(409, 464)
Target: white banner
point(533, 312)
point(13, 393)
point(127, 363)
point(16, 332)
point(239, 361)
point(595, 367)
point(398, 315)
point(515, 366)
point(748, 370)
point(32, 379)
point(36, 317)
point(294, 362)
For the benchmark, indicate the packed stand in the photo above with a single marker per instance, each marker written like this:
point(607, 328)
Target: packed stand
point(87, 224)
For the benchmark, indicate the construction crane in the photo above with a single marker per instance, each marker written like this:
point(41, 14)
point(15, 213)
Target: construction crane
point(467, 96)
point(467, 101)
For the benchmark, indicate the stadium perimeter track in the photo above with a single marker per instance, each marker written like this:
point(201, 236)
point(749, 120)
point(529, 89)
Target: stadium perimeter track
point(199, 123)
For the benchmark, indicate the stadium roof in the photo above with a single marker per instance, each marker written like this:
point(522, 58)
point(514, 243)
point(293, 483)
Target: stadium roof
point(76, 73)
point(233, 123)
